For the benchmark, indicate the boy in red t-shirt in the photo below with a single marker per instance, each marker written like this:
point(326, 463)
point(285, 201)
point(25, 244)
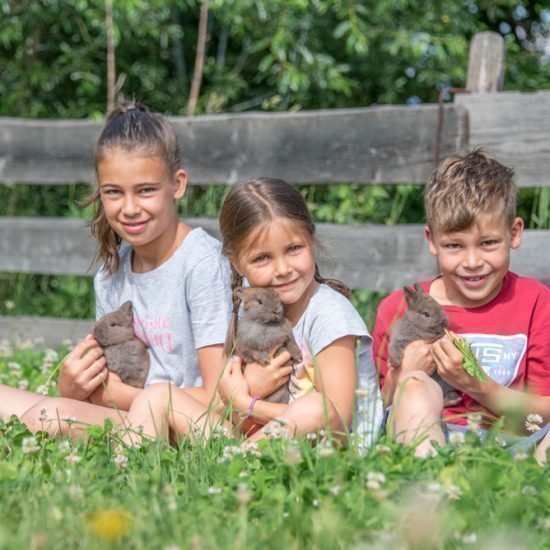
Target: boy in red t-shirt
point(471, 226)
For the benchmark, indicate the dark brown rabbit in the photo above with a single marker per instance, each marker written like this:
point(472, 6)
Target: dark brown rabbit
point(125, 354)
point(262, 328)
point(423, 320)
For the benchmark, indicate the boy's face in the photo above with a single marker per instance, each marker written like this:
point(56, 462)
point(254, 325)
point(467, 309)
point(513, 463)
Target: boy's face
point(474, 261)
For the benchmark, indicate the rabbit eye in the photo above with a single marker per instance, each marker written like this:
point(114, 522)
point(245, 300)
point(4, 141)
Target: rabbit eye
point(426, 314)
point(112, 324)
point(259, 301)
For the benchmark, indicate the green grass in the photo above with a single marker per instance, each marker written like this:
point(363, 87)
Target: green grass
point(58, 494)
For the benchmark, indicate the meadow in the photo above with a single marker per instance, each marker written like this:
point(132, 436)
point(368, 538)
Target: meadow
point(57, 493)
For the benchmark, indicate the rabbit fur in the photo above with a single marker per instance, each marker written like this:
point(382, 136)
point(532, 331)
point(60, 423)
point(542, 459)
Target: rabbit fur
point(125, 354)
point(263, 327)
point(423, 320)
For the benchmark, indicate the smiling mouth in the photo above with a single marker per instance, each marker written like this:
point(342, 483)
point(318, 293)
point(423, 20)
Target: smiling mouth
point(284, 285)
point(474, 279)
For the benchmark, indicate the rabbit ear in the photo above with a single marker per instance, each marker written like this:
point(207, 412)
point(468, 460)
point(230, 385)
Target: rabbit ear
point(126, 308)
point(411, 296)
point(418, 287)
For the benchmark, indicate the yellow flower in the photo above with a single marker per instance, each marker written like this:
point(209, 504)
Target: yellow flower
point(110, 524)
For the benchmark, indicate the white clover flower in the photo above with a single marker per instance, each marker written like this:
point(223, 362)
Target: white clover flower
point(533, 422)
point(520, 456)
point(311, 436)
point(75, 492)
point(9, 304)
point(23, 384)
point(383, 450)
point(500, 441)
point(50, 356)
point(21, 345)
point(43, 389)
point(529, 490)
point(434, 487)
point(376, 476)
point(64, 446)
point(373, 485)
point(13, 366)
point(29, 445)
point(6, 349)
point(293, 455)
point(214, 490)
point(456, 438)
point(73, 457)
point(121, 460)
point(221, 460)
point(454, 492)
point(315, 503)
point(335, 490)
point(474, 421)
point(325, 450)
point(230, 451)
point(470, 538)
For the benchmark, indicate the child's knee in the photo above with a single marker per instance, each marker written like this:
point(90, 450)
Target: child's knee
point(318, 409)
point(418, 386)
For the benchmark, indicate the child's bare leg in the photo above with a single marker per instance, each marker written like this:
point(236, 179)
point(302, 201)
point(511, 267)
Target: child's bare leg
point(307, 414)
point(62, 416)
point(16, 401)
point(162, 409)
point(541, 452)
point(416, 412)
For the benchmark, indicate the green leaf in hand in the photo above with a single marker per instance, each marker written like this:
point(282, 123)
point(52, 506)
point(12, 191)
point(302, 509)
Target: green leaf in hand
point(469, 361)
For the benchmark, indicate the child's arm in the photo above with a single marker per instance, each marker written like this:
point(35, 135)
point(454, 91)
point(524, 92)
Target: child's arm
point(211, 362)
point(83, 370)
point(335, 374)
point(498, 399)
point(264, 380)
point(114, 393)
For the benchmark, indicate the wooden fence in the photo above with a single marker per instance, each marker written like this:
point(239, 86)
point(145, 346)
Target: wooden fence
point(388, 144)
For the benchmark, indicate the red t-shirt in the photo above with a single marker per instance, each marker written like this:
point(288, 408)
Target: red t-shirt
point(510, 336)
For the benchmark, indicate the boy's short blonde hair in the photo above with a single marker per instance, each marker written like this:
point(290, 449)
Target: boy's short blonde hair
point(463, 187)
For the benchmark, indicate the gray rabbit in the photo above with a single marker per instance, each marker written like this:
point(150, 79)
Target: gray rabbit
point(261, 328)
point(125, 354)
point(423, 320)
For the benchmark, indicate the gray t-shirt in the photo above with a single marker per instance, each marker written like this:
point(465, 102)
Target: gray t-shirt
point(328, 317)
point(179, 307)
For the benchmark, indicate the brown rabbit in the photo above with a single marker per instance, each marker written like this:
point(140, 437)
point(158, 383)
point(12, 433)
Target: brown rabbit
point(125, 354)
point(423, 320)
point(261, 328)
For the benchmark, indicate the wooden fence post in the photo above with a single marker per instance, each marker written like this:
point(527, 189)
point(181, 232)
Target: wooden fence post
point(486, 63)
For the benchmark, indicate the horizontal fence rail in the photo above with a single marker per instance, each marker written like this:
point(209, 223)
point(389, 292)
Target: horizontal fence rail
point(374, 257)
point(389, 144)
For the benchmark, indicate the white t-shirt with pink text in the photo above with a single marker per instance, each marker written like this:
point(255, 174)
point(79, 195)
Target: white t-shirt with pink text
point(179, 307)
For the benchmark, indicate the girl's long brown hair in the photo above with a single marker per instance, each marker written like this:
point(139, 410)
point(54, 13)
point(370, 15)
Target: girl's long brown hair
point(130, 127)
point(250, 205)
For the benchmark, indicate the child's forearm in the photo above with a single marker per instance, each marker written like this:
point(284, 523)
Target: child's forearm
point(117, 396)
point(511, 403)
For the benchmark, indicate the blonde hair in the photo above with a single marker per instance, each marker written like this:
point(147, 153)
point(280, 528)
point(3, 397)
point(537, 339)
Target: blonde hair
point(463, 187)
point(130, 127)
point(253, 204)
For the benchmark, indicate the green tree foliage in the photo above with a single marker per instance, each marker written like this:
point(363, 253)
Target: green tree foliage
point(261, 54)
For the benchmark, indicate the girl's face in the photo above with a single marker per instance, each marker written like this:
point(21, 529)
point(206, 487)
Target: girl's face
point(138, 194)
point(279, 255)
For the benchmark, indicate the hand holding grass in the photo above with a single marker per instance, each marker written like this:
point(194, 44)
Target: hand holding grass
point(469, 361)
